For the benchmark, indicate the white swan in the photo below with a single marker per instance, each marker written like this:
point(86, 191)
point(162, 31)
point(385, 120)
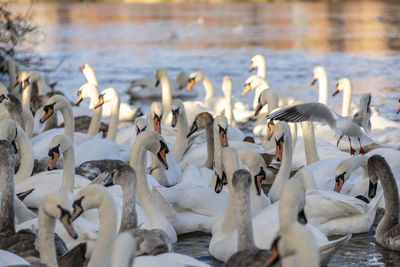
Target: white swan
point(258, 62)
point(127, 113)
point(180, 121)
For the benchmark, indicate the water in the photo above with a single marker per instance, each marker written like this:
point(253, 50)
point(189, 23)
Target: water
point(355, 39)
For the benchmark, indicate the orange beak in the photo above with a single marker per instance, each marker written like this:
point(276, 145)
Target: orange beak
point(53, 161)
point(82, 68)
point(398, 110)
point(270, 131)
point(274, 256)
point(258, 109)
point(279, 151)
point(336, 91)
point(314, 80)
point(100, 103)
point(224, 139)
point(246, 89)
point(80, 98)
point(66, 221)
point(338, 186)
point(157, 125)
point(163, 157)
point(46, 115)
point(190, 84)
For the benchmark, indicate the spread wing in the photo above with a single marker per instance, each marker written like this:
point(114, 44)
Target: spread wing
point(306, 112)
point(362, 117)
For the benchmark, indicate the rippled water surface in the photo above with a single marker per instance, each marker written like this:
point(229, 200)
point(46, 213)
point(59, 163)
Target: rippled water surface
point(359, 40)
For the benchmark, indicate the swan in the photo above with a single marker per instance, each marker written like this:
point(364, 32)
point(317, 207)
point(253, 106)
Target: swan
point(126, 113)
point(258, 62)
point(29, 81)
point(257, 83)
point(319, 74)
point(149, 242)
point(248, 254)
point(110, 95)
point(344, 85)
point(22, 242)
point(12, 67)
point(179, 120)
point(149, 88)
point(349, 126)
point(153, 142)
point(387, 233)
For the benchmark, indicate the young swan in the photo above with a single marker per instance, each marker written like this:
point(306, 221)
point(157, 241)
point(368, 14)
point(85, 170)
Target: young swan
point(387, 232)
point(96, 196)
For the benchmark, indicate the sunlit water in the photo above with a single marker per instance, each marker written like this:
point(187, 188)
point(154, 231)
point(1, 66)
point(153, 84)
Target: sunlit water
point(359, 40)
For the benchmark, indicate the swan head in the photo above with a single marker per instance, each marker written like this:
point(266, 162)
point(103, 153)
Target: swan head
point(241, 180)
point(344, 170)
point(155, 143)
point(318, 73)
point(281, 133)
point(377, 166)
point(342, 84)
point(283, 246)
point(124, 175)
point(200, 122)
point(57, 206)
point(221, 129)
point(58, 145)
point(155, 116)
point(292, 202)
point(227, 85)
point(256, 61)
point(177, 108)
point(54, 104)
point(87, 91)
point(9, 131)
point(89, 197)
point(142, 124)
point(256, 165)
point(160, 74)
point(195, 77)
point(266, 96)
point(253, 82)
point(23, 78)
point(182, 79)
point(106, 96)
point(87, 71)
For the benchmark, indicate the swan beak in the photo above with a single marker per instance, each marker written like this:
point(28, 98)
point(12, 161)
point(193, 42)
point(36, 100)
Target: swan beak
point(15, 145)
point(193, 129)
point(247, 88)
point(252, 67)
point(314, 80)
point(157, 125)
point(398, 110)
point(190, 84)
point(218, 184)
point(338, 185)
point(53, 161)
point(163, 157)
point(336, 92)
point(101, 101)
point(82, 68)
point(258, 109)
point(24, 85)
point(270, 130)
point(372, 189)
point(80, 98)
point(47, 114)
point(66, 221)
point(301, 217)
point(259, 179)
point(274, 255)
point(224, 138)
point(279, 150)
point(175, 114)
point(157, 83)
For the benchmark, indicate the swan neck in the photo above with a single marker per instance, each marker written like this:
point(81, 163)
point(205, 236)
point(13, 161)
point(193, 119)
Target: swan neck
point(228, 107)
point(243, 217)
point(181, 142)
point(129, 216)
point(26, 97)
point(7, 205)
point(209, 86)
point(262, 69)
point(114, 117)
point(46, 240)
point(94, 125)
point(166, 95)
point(273, 101)
point(391, 193)
point(25, 147)
point(309, 142)
point(69, 122)
point(210, 146)
point(323, 89)
point(107, 232)
point(68, 177)
point(346, 101)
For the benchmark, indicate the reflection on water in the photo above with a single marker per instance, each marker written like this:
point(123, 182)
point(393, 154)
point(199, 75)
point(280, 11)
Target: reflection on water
point(355, 39)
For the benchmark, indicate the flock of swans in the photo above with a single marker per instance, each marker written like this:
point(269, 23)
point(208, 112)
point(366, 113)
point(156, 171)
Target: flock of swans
point(106, 186)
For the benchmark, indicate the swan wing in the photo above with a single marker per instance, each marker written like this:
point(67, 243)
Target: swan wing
point(306, 112)
point(362, 117)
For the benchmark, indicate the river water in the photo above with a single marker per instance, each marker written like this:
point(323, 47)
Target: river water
point(355, 39)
